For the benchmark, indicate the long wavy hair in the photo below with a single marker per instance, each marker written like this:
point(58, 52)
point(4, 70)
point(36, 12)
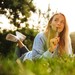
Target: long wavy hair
point(63, 43)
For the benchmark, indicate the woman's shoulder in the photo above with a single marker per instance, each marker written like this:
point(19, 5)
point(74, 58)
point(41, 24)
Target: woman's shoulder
point(40, 34)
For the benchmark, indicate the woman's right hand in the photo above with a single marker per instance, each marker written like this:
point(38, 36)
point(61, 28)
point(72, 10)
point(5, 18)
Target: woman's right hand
point(54, 43)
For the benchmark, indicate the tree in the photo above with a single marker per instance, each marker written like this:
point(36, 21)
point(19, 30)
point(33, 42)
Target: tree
point(43, 18)
point(18, 11)
point(8, 47)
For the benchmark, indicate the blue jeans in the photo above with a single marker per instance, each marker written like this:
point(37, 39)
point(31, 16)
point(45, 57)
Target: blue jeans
point(19, 52)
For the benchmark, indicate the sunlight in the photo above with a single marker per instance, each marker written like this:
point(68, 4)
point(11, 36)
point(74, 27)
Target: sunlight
point(64, 6)
point(41, 4)
point(5, 23)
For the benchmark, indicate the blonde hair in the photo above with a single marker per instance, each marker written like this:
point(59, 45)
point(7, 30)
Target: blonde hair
point(63, 44)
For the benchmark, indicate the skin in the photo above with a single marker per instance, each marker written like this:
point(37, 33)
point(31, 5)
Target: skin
point(57, 24)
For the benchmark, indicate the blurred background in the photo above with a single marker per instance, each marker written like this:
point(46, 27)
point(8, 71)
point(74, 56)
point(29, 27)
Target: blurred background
point(29, 17)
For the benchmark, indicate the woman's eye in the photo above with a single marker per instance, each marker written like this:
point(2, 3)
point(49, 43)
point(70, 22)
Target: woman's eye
point(62, 22)
point(56, 19)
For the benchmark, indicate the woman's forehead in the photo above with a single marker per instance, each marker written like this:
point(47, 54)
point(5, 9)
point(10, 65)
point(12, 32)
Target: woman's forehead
point(60, 16)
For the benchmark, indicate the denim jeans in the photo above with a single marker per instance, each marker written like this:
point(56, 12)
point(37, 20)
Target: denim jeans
point(19, 52)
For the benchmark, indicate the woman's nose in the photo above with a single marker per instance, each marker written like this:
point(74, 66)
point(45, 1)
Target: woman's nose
point(58, 23)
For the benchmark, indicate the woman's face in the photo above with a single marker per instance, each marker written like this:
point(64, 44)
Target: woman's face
point(58, 23)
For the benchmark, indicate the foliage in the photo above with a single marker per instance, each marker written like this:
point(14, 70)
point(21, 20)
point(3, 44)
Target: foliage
point(72, 35)
point(18, 11)
point(53, 66)
point(7, 47)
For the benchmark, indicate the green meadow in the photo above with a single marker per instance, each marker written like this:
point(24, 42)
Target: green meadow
point(54, 66)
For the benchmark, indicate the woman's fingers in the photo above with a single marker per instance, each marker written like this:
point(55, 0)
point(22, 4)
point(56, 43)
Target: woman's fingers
point(54, 42)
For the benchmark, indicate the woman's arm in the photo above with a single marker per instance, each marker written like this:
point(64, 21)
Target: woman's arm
point(38, 50)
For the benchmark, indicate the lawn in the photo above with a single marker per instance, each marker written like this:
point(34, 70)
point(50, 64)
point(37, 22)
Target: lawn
point(54, 66)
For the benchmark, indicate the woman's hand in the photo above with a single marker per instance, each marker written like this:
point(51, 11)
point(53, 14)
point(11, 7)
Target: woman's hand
point(53, 43)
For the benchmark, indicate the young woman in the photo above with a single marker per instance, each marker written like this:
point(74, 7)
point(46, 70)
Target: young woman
point(54, 41)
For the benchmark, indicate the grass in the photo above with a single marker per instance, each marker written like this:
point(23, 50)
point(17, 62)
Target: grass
point(53, 66)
